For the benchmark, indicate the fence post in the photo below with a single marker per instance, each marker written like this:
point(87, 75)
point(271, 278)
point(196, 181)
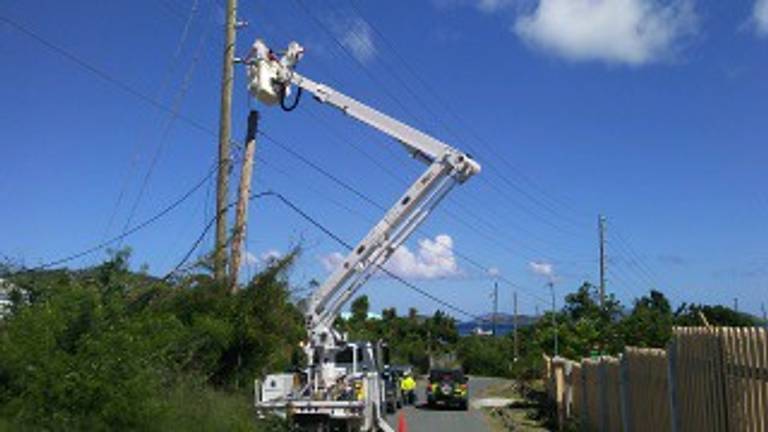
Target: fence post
point(603, 402)
point(568, 389)
point(723, 378)
point(584, 421)
point(672, 384)
point(626, 402)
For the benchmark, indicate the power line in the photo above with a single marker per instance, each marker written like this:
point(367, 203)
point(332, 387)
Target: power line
point(176, 106)
point(157, 104)
point(374, 203)
point(133, 229)
point(499, 190)
point(367, 71)
point(425, 84)
point(331, 234)
point(466, 258)
point(165, 83)
point(495, 231)
point(648, 272)
point(101, 73)
point(349, 246)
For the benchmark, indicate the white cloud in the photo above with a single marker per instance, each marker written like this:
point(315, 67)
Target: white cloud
point(332, 261)
point(494, 271)
point(760, 15)
point(492, 5)
point(434, 259)
point(542, 269)
point(488, 6)
point(270, 255)
point(251, 260)
point(357, 38)
point(265, 258)
point(632, 32)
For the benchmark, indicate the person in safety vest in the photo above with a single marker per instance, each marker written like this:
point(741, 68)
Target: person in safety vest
point(408, 388)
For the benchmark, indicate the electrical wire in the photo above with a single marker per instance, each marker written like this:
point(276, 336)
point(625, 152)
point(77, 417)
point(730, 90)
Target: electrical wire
point(372, 202)
point(159, 105)
point(331, 234)
point(423, 83)
point(497, 189)
point(493, 233)
point(165, 82)
point(448, 211)
point(133, 229)
point(176, 109)
point(102, 74)
point(413, 95)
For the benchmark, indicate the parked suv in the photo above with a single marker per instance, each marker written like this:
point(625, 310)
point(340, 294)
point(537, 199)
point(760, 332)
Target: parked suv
point(448, 387)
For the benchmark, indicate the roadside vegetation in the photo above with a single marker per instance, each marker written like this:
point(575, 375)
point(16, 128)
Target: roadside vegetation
point(106, 348)
point(584, 329)
point(109, 349)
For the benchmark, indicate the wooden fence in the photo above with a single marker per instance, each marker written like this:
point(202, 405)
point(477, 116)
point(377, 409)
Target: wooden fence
point(708, 379)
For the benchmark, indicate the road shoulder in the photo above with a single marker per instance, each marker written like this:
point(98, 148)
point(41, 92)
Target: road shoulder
point(505, 409)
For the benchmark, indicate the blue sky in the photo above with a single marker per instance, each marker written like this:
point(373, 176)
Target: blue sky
point(653, 113)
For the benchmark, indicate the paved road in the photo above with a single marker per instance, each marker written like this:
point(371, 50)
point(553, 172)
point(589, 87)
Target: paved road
point(422, 419)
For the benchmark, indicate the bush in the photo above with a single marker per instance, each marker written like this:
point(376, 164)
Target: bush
point(107, 349)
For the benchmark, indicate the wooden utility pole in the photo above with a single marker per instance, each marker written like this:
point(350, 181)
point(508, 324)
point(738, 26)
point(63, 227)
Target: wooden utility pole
point(243, 199)
point(514, 328)
point(601, 233)
point(736, 304)
point(225, 135)
point(765, 314)
point(554, 317)
point(495, 306)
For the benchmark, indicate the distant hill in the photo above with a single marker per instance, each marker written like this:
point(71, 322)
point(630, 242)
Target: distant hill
point(505, 318)
point(504, 323)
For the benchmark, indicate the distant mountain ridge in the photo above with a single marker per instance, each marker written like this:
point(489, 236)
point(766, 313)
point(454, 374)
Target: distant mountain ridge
point(504, 323)
point(505, 318)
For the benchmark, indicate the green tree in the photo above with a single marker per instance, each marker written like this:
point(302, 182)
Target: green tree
point(108, 349)
point(359, 308)
point(584, 326)
point(485, 355)
point(689, 315)
point(650, 322)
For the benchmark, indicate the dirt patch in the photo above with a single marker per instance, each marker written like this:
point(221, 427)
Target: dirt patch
point(523, 412)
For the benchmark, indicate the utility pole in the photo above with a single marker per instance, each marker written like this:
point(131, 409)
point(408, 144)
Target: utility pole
point(495, 306)
point(736, 304)
point(601, 233)
point(554, 316)
point(515, 324)
point(244, 193)
point(225, 135)
point(765, 314)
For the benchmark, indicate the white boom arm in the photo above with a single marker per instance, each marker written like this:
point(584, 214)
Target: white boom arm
point(269, 80)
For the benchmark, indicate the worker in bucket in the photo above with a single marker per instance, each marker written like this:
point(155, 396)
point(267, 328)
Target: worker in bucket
point(408, 388)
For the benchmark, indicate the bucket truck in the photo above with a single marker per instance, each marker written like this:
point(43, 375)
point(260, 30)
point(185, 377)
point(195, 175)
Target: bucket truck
point(341, 387)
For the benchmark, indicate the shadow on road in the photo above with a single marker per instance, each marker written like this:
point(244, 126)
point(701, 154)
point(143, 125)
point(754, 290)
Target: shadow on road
point(426, 407)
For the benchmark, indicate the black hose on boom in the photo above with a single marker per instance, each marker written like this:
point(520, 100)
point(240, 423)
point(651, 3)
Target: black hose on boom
point(296, 99)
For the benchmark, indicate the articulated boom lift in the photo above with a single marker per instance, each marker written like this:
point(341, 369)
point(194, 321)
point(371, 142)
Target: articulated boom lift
point(270, 82)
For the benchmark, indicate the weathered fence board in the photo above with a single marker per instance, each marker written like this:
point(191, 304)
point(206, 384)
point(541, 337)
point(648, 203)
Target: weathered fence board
point(708, 379)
